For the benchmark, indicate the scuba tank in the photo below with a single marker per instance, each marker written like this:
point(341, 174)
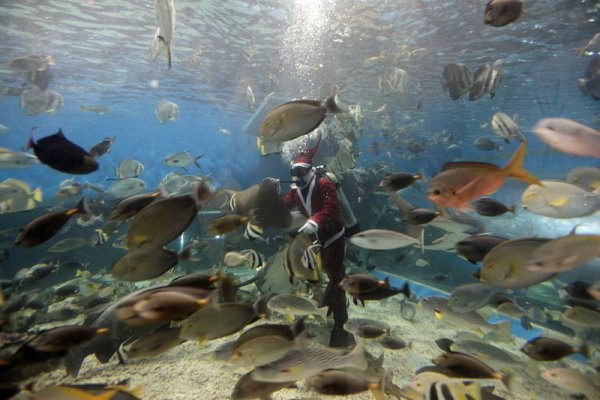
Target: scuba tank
point(346, 213)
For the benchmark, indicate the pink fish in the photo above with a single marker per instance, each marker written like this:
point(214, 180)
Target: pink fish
point(569, 136)
point(461, 182)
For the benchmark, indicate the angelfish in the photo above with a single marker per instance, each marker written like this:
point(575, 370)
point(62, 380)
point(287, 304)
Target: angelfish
point(165, 16)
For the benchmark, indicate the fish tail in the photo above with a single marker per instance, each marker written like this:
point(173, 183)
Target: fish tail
point(356, 358)
point(506, 378)
point(331, 104)
point(196, 161)
point(405, 290)
point(37, 194)
point(515, 168)
point(513, 209)
point(30, 141)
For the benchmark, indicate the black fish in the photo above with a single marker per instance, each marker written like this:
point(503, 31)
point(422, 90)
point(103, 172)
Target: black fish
point(476, 247)
point(59, 153)
point(591, 80)
point(45, 226)
point(548, 349)
point(420, 216)
point(103, 147)
point(489, 207)
point(398, 180)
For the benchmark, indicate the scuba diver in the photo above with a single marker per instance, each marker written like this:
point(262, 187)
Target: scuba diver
point(319, 198)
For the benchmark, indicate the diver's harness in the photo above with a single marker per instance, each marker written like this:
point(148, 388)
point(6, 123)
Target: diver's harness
point(346, 213)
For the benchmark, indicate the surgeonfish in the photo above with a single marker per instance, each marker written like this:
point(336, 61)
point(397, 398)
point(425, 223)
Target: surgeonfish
point(569, 136)
point(572, 381)
point(502, 12)
point(42, 228)
point(147, 262)
point(461, 182)
point(294, 119)
point(550, 349)
point(164, 220)
point(505, 266)
point(557, 199)
point(130, 206)
point(17, 196)
point(565, 253)
point(151, 345)
point(59, 153)
point(16, 159)
point(63, 337)
point(587, 178)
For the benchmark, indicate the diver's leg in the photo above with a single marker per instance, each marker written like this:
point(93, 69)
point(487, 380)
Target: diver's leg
point(335, 297)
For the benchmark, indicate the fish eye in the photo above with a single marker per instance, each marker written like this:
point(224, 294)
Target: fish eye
point(284, 370)
point(436, 192)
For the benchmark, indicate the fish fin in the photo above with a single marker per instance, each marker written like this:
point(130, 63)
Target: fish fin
point(30, 142)
point(507, 380)
point(584, 85)
point(196, 161)
point(169, 55)
point(202, 340)
point(289, 318)
point(515, 168)
point(331, 104)
point(583, 350)
point(37, 194)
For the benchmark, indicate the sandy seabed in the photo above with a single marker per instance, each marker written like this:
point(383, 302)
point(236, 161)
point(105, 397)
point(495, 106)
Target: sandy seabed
point(189, 372)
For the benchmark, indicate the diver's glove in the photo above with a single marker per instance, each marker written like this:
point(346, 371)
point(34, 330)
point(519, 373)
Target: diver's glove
point(309, 228)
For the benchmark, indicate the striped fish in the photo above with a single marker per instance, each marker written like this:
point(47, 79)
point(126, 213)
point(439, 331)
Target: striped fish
point(487, 79)
point(507, 128)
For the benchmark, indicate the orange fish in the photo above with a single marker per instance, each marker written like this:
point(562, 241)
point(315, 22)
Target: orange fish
point(461, 182)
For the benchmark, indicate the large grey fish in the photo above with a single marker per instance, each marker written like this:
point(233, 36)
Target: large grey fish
point(469, 320)
point(16, 159)
point(263, 202)
point(487, 79)
point(471, 296)
point(505, 266)
point(36, 101)
point(150, 345)
point(457, 79)
point(219, 320)
point(294, 119)
point(147, 263)
point(164, 220)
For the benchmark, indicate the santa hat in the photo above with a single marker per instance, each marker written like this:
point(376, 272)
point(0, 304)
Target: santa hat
point(304, 159)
